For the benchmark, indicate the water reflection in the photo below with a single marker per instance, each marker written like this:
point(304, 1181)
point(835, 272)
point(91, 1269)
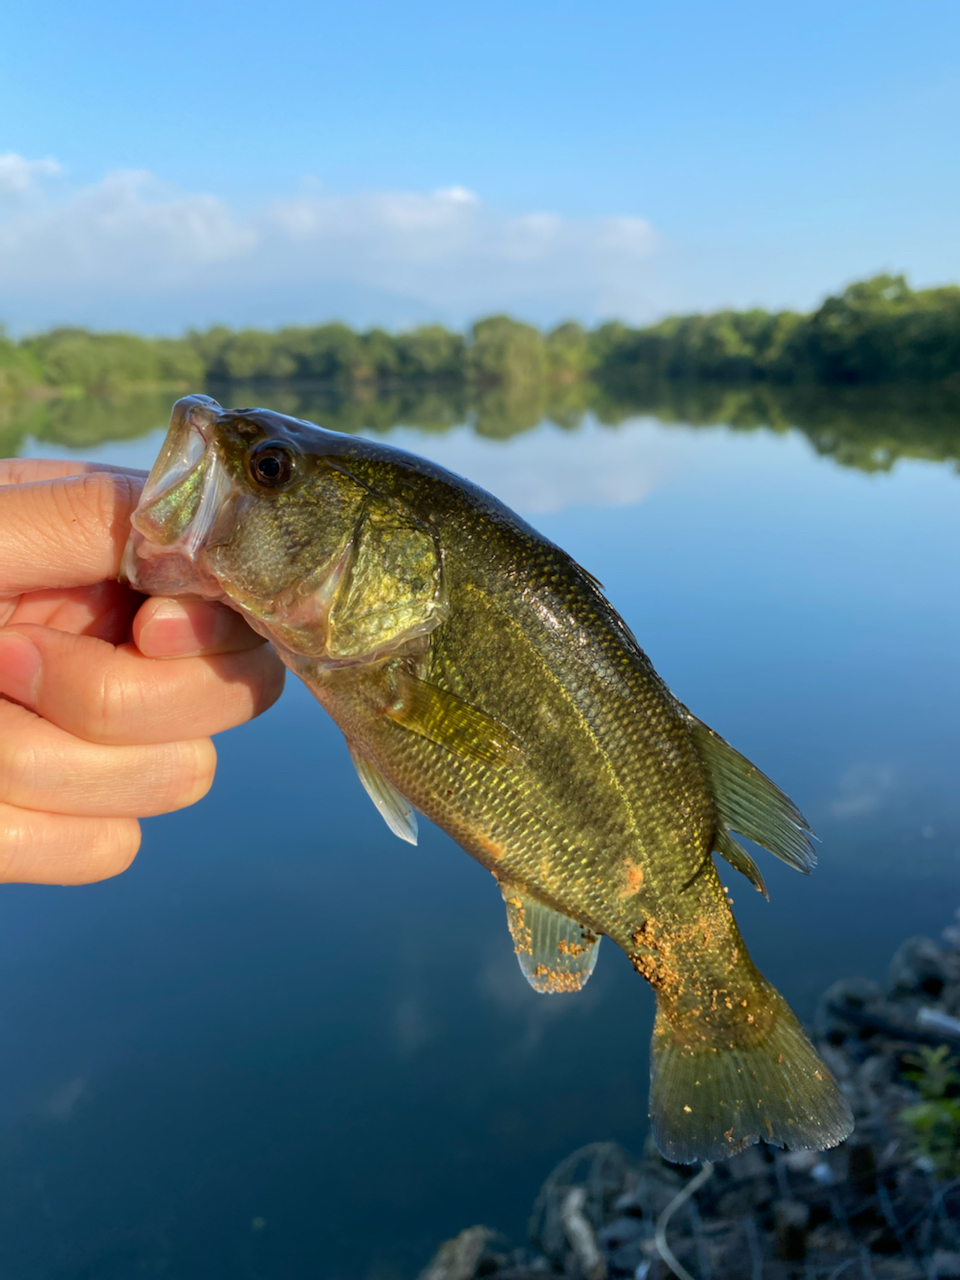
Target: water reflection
point(81, 423)
point(219, 1038)
point(864, 427)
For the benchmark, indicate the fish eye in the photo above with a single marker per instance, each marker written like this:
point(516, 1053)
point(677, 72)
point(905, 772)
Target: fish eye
point(271, 464)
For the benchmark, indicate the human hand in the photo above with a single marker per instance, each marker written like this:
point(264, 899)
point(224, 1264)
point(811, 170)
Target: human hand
point(107, 701)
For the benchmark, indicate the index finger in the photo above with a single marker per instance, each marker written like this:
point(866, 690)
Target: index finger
point(27, 470)
point(68, 532)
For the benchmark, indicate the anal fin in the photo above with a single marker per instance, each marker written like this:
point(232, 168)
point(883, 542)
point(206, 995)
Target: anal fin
point(396, 812)
point(556, 954)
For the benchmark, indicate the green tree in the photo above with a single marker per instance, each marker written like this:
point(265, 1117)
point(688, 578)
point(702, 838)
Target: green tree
point(570, 355)
point(382, 360)
point(327, 352)
point(505, 351)
point(431, 353)
point(209, 345)
point(106, 363)
point(94, 362)
point(878, 330)
point(254, 354)
point(19, 369)
point(179, 363)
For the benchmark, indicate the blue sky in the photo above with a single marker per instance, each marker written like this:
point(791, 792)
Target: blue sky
point(171, 164)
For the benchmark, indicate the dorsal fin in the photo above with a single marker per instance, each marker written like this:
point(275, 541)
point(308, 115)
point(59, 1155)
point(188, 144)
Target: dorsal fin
point(396, 812)
point(748, 802)
point(556, 954)
point(737, 856)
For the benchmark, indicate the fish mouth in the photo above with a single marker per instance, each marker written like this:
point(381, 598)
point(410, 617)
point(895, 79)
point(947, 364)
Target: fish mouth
point(182, 501)
point(183, 451)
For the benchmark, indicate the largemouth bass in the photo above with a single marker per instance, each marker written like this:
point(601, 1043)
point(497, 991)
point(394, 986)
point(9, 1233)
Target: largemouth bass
point(480, 677)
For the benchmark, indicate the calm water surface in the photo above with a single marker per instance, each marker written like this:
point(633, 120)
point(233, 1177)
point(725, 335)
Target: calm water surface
point(287, 1046)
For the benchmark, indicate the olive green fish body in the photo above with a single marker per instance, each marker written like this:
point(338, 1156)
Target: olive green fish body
point(480, 676)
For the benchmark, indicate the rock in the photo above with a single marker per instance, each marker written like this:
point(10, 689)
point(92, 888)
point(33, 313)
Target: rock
point(843, 1008)
point(791, 1219)
point(748, 1164)
point(918, 968)
point(855, 1017)
point(457, 1259)
point(840, 1065)
point(951, 935)
point(580, 1233)
point(939, 1023)
point(621, 1242)
point(875, 1205)
point(875, 1072)
point(619, 1232)
point(801, 1161)
point(862, 1166)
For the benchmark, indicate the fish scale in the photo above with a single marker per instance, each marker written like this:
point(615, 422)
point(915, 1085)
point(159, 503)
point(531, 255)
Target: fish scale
point(481, 677)
point(602, 825)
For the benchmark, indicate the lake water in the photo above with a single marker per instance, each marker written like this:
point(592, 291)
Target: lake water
point(216, 1069)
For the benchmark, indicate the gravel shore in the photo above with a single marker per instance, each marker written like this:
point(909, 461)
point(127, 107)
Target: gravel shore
point(885, 1205)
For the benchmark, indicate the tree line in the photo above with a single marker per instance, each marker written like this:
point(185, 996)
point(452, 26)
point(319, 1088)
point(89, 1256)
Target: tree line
point(875, 331)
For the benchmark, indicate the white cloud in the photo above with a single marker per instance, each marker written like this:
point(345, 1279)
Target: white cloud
point(444, 252)
point(127, 228)
point(19, 176)
point(501, 982)
point(863, 789)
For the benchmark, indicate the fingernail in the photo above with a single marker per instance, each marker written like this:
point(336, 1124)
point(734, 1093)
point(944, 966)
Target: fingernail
point(19, 668)
point(173, 631)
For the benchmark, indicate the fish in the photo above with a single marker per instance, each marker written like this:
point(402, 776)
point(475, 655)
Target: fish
point(481, 678)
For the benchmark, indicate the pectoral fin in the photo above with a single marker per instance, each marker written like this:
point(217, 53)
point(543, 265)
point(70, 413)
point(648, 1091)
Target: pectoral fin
point(556, 954)
point(748, 802)
point(447, 720)
point(396, 812)
point(737, 856)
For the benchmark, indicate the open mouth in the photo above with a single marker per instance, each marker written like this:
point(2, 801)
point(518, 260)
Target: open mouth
point(183, 496)
point(175, 463)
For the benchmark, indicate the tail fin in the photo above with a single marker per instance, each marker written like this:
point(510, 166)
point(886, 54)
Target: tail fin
point(708, 1102)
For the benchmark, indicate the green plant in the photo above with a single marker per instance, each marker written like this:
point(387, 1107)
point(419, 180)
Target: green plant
point(935, 1122)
